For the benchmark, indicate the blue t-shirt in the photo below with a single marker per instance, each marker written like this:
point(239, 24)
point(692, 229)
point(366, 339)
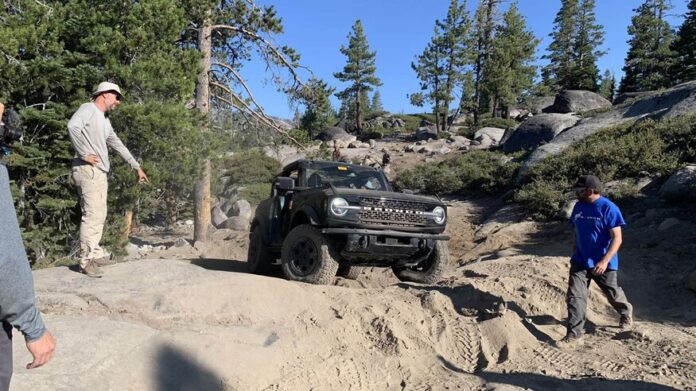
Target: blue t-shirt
point(593, 223)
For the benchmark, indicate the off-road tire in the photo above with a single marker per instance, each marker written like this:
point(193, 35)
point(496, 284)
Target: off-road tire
point(349, 272)
point(308, 256)
point(428, 271)
point(259, 258)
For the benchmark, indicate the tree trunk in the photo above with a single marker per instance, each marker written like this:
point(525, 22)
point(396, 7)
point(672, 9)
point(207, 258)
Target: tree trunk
point(202, 214)
point(358, 120)
point(127, 225)
point(202, 187)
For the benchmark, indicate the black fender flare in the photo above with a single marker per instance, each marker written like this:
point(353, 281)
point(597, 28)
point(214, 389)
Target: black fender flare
point(308, 213)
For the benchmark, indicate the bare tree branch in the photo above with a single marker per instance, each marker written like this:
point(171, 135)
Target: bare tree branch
point(262, 117)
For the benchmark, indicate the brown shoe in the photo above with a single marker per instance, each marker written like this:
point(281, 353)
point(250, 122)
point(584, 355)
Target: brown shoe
point(92, 270)
point(626, 322)
point(570, 342)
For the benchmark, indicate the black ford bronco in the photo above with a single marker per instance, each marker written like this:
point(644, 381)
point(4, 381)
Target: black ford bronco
point(329, 218)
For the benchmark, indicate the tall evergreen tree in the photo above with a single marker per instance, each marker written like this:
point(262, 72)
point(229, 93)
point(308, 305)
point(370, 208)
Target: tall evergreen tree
point(318, 114)
point(376, 103)
point(684, 68)
point(482, 37)
point(574, 50)
point(429, 68)
point(557, 74)
point(359, 71)
point(511, 70)
point(608, 86)
point(441, 67)
point(649, 57)
point(589, 36)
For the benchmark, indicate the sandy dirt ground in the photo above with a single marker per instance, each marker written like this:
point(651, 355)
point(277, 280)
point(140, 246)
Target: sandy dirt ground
point(192, 318)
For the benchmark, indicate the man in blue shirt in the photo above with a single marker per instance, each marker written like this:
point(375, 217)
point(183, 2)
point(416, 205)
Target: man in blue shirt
point(597, 223)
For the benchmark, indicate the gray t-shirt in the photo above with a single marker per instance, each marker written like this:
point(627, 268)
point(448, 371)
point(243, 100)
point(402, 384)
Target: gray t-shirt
point(17, 301)
point(90, 133)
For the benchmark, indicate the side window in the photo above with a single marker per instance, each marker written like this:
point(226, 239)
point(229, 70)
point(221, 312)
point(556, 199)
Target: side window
point(295, 175)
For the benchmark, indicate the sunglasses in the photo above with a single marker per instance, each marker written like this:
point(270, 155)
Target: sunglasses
point(118, 97)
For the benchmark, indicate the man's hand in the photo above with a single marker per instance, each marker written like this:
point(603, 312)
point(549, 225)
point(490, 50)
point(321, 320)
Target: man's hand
point(92, 159)
point(42, 349)
point(2, 109)
point(142, 178)
point(600, 268)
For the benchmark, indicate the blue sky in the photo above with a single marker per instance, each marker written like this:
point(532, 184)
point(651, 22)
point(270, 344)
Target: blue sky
point(398, 30)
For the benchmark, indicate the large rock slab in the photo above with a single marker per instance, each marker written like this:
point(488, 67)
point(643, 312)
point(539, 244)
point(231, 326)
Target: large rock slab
point(489, 136)
point(426, 133)
point(285, 154)
point(676, 101)
point(335, 133)
point(538, 130)
point(542, 104)
point(576, 101)
point(681, 185)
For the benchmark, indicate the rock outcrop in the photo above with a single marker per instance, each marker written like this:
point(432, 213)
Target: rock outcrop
point(577, 101)
point(538, 130)
point(670, 103)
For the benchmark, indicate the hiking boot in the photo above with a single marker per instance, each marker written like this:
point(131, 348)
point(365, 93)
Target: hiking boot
point(569, 342)
point(626, 322)
point(91, 270)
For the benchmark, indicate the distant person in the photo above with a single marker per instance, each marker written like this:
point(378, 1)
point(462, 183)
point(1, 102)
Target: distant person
point(90, 133)
point(17, 300)
point(336, 152)
point(597, 223)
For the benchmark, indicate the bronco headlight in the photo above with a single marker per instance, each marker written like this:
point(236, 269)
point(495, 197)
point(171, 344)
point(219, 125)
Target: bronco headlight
point(338, 207)
point(439, 215)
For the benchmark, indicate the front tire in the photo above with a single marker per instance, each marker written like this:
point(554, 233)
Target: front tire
point(428, 271)
point(307, 256)
point(348, 271)
point(259, 258)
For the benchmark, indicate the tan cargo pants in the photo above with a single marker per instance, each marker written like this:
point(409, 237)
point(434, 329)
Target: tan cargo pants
point(92, 186)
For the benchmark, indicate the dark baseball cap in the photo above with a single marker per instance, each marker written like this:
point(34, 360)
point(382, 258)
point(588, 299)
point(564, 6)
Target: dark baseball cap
point(588, 182)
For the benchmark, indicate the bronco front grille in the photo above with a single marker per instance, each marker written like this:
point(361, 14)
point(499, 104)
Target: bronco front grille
point(394, 212)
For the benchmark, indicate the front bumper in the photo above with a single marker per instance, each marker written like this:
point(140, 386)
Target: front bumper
point(369, 247)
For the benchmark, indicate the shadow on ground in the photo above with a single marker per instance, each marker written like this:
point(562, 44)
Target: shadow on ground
point(175, 371)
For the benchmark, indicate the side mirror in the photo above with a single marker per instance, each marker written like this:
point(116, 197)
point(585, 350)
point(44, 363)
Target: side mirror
point(284, 183)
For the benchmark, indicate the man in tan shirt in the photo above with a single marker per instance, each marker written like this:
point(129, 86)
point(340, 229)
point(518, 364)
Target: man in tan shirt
point(90, 133)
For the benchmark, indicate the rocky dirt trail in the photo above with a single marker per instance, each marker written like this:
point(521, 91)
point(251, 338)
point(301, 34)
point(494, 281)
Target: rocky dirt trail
point(180, 322)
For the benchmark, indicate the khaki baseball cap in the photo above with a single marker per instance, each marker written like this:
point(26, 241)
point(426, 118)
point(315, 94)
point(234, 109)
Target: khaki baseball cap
point(107, 87)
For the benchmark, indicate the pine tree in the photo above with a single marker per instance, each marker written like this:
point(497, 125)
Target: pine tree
point(376, 103)
point(441, 66)
point(359, 71)
point(557, 74)
point(608, 86)
point(318, 114)
point(649, 57)
point(684, 68)
point(482, 37)
point(511, 71)
point(588, 38)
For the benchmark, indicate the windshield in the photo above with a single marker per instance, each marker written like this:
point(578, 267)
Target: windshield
point(346, 176)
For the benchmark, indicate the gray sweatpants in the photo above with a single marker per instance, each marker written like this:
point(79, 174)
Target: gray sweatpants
point(578, 288)
point(5, 356)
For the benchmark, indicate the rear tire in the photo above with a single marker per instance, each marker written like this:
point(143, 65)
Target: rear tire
point(259, 258)
point(307, 256)
point(349, 272)
point(428, 271)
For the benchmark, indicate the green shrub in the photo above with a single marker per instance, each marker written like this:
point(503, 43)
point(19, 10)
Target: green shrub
point(250, 167)
point(477, 172)
point(541, 198)
point(256, 192)
point(625, 151)
point(501, 123)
